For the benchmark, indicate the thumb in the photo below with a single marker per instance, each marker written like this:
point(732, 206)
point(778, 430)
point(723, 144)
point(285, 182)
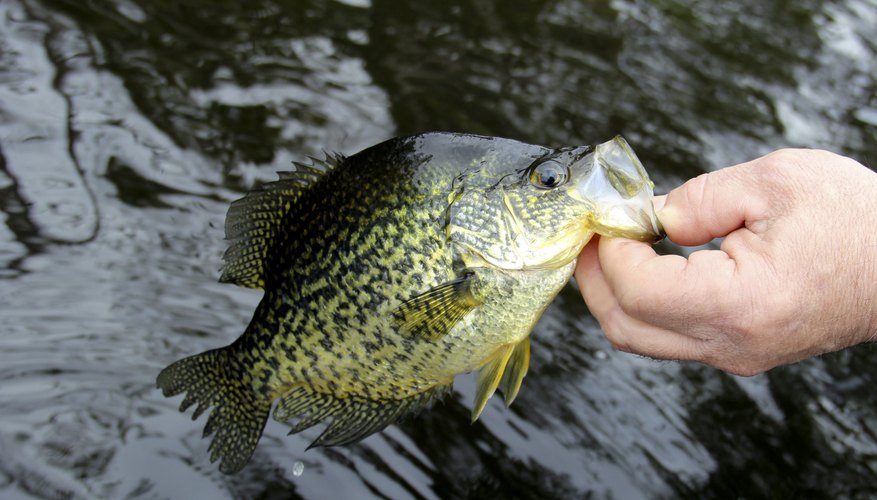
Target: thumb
point(712, 205)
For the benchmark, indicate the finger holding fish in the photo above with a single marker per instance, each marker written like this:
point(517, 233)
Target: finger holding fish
point(625, 331)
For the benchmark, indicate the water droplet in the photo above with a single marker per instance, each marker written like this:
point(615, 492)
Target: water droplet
point(297, 469)
point(601, 355)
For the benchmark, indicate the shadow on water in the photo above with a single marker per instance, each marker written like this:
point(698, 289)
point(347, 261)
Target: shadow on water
point(126, 128)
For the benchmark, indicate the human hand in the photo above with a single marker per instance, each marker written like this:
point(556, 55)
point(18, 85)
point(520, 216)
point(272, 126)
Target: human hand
point(796, 274)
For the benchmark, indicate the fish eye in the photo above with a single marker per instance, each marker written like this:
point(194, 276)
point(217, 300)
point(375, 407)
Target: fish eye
point(549, 174)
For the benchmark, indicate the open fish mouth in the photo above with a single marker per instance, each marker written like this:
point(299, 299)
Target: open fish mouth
point(619, 192)
point(644, 226)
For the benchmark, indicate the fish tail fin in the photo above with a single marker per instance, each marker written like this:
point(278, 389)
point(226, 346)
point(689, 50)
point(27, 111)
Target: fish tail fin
point(239, 413)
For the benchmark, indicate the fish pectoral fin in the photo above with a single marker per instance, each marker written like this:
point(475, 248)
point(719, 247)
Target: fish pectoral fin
point(489, 378)
point(434, 313)
point(515, 370)
point(352, 418)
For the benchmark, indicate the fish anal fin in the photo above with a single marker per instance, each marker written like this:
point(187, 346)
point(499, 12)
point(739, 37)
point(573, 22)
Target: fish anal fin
point(515, 370)
point(434, 313)
point(352, 418)
point(489, 378)
point(254, 221)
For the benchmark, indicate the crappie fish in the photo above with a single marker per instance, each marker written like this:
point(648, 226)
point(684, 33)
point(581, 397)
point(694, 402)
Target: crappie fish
point(389, 272)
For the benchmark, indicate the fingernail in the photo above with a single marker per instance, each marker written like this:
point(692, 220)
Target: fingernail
point(658, 204)
point(659, 201)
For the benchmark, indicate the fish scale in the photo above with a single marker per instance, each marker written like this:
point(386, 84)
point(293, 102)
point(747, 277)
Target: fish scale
point(389, 272)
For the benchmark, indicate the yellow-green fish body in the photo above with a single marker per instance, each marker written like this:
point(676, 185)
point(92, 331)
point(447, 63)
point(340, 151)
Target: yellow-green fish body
point(389, 272)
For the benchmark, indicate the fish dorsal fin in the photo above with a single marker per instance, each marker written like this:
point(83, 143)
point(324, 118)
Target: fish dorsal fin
point(353, 418)
point(515, 370)
point(253, 222)
point(489, 378)
point(434, 313)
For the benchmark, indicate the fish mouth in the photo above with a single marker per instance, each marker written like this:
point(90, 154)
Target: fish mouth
point(625, 221)
point(619, 193)
point(655, 232)
point(660, 233)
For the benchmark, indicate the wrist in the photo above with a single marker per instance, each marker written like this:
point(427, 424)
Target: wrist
point(870, 260)
point(871, 298)
point(852, 315)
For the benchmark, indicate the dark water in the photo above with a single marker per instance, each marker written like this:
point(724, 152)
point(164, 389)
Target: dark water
point(126, 127)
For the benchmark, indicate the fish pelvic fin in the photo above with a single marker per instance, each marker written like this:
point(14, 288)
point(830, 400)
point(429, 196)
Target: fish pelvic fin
point(434, 313)
point(239, 414)
point(352, 418)
point(492, 374)
point(254, 221)
point(515, 371)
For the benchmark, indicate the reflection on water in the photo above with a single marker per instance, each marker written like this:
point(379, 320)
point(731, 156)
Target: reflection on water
point(126, 127)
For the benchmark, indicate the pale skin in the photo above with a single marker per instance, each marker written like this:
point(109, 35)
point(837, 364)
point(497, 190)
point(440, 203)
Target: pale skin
point(795, 276)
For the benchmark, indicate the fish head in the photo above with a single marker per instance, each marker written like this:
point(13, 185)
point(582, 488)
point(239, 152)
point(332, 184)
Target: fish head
point(541, 215)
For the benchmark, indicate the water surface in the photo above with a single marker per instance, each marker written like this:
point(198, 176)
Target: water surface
point(126, 128)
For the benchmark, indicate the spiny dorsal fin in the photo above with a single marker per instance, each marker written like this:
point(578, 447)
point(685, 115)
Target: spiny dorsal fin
point(434, 313)
point(489, 377)
point(253, 221)
point(353, 418)
point(515, 370)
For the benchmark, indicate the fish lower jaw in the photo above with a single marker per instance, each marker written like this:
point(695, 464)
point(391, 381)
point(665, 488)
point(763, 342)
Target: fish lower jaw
point(638, 233)
point(630, 222)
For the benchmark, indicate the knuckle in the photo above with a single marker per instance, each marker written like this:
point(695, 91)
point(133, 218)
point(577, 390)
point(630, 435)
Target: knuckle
point(696, 191)
point(631, 303)
point(734, 362)
point(745, 370)
point(616, 335)
point(620, 345)
point(778, 309)
point(783, 162)
point(766, 334)
point(781, 158)
point(785, 172)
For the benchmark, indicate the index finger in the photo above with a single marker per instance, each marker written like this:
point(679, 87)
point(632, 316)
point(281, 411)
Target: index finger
point(668, 291)
point(624, 332)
